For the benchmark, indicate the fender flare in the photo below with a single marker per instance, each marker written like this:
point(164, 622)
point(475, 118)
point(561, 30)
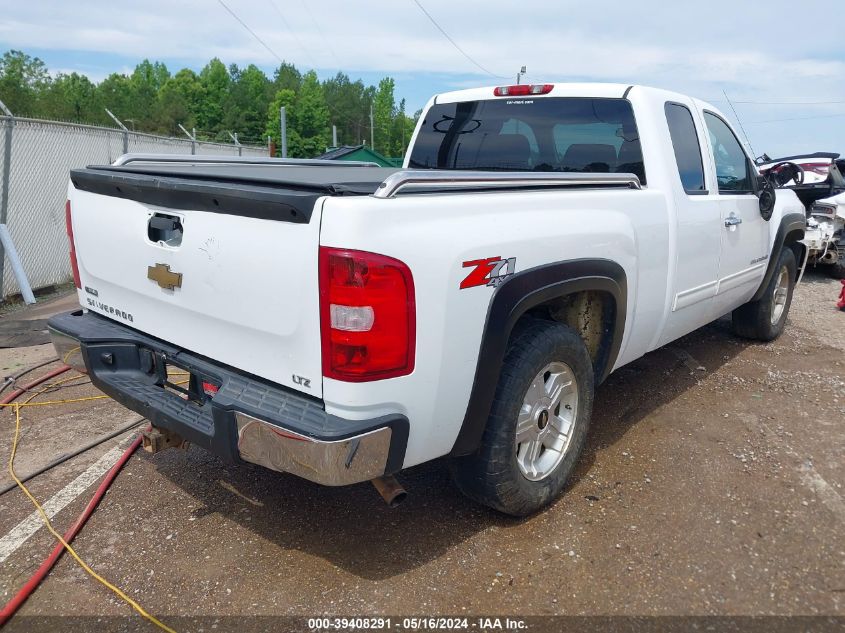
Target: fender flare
point(512, 299)
point(791, 229)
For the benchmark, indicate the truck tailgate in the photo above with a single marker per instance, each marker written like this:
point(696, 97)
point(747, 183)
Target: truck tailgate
point(240, 290)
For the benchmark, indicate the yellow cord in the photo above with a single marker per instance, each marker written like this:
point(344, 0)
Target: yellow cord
point(117, 591)
point(49, 402)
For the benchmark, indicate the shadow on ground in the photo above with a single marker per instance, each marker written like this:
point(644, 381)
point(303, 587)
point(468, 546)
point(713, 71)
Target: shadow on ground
point(351, 528)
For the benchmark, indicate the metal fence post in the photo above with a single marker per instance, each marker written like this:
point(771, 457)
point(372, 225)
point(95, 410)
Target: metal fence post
point(8, 125)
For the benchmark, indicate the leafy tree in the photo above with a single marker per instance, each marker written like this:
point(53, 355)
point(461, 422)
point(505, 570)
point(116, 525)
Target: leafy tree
point(144, 85)
point(22, 80)
point(286, 98)
point(402, 127)
point(71, 97)
point(383, 113)
point(286, 77)
point(311, 116)
point(215, 82)
point(114, 93)
point(178, 101)
point(216, 100)
point(348, 111)
point(247, 101)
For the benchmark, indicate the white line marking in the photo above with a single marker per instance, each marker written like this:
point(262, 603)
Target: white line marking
point(31, 524)
point(811, 478)
point(825, 492)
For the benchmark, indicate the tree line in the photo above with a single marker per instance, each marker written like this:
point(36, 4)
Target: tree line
point(215, 101)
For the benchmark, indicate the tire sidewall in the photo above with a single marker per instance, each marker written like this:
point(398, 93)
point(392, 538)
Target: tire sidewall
point(786, 258)
point(500, 437)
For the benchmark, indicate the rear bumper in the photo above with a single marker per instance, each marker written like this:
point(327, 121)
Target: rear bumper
point(247, 419)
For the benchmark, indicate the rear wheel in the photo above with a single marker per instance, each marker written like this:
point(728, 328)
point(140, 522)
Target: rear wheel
point(765, 319)
point(537, 425)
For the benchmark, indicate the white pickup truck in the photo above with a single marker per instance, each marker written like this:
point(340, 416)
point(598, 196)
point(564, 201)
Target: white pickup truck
point(343, 322)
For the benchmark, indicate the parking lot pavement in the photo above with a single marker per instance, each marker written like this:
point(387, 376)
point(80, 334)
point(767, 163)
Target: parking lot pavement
point(712, 483)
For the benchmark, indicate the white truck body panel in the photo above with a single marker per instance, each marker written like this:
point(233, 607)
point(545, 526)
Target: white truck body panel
point(251, 298)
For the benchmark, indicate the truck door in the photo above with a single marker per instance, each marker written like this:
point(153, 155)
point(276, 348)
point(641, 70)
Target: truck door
point(698, 216)
point(744, 233)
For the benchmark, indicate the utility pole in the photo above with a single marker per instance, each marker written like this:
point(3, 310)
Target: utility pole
point(193, 138)
point(372, 134)
point(284, 131)
point(519, 74)
point(334, 135)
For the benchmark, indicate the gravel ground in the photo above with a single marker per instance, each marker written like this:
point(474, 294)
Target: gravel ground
point(712, 484)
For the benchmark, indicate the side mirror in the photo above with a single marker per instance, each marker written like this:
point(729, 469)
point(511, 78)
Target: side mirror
point(766, 196)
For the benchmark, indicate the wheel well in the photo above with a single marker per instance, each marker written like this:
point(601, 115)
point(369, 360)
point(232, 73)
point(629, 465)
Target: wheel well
point(800, 251)
point(591, 313)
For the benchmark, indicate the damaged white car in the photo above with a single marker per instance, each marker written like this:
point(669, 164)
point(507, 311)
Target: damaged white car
point(818, 182)
point(825, 234)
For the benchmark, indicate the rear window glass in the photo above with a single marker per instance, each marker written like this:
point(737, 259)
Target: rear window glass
point(561, 134)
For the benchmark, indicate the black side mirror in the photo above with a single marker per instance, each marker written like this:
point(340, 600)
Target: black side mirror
point(766, 196)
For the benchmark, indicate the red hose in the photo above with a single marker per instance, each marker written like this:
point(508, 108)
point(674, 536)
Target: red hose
point(19, 598)
point(22, 390)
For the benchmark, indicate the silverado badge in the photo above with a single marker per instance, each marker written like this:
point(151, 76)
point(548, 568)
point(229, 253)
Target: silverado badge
point(164, 277)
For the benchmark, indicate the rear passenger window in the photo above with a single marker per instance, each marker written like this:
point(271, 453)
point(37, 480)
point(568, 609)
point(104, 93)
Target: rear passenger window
point(732, 171)
point(686, 146)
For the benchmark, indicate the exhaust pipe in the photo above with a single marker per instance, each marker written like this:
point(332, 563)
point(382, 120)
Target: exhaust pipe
point(390, 490)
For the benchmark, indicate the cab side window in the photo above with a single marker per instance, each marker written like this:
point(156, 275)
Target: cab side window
point(687, 150)
point(732, 166)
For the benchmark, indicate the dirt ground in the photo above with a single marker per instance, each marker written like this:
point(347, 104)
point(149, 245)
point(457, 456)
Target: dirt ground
point(712, 484)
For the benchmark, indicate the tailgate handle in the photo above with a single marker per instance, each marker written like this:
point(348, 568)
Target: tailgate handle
point(165, 228)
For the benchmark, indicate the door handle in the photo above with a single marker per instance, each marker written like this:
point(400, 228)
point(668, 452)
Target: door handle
point(733, 220)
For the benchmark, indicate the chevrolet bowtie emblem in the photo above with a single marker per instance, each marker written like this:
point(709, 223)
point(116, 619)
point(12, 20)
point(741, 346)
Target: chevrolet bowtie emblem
point(164, 277)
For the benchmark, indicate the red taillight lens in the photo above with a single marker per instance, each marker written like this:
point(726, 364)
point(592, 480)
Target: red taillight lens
point(523, 89)
point(209, 388)
point(73, 263)
point(822, 169)
point(367, 315)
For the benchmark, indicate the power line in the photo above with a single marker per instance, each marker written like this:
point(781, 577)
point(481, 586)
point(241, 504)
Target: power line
point(792, 102)
point(803, 118)
point(785, 103)
point(293, 33)
point(453, 42)
point(320, 31)
point(251, 32)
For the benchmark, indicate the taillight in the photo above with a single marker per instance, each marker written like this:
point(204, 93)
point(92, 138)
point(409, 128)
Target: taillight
point(522, 90)
point(209, 388)
point(367, 315)
point(822, 169)
point(73, 263)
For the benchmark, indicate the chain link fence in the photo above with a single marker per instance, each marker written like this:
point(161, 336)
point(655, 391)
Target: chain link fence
point(35, 158)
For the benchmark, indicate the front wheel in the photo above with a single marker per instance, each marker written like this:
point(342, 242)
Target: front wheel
point(765, 319)
point(537, 425)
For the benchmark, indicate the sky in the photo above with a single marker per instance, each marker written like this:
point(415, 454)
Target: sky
point(781, 66)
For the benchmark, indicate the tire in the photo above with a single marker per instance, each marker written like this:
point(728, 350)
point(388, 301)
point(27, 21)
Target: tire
point(499, 474)
point(763, 320)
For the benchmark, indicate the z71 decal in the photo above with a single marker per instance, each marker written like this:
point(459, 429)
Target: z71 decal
point(488, 272)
